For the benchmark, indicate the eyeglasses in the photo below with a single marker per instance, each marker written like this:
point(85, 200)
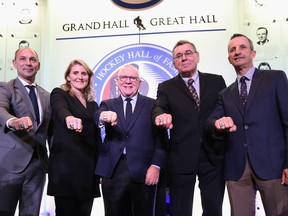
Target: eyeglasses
point(131, 78)
point(187, 54)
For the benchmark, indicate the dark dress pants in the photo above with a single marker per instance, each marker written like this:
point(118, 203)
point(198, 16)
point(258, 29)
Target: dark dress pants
point(73, 206)
point(211, 184)
point(25, 187)
point(124, 197)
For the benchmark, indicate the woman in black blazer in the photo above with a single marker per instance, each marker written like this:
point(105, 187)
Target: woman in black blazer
point(73, 153)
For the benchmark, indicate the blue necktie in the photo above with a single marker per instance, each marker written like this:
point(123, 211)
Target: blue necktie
point(243, 90)
point(128, 112)
point(33, 98)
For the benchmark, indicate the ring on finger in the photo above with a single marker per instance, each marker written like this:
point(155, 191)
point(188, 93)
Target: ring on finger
point(104, 117)
point(160, 119)
point(21, 126)
point(221, 124)
point(71, 126)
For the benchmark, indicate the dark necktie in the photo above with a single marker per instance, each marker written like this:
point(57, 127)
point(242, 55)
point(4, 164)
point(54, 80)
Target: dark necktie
point(33, 98)
point(128, 112)
point(243, 90)
point(193, 92)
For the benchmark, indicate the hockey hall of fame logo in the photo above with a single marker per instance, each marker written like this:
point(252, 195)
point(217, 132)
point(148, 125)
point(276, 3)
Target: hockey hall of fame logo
point(136, 4)
point(155, 64)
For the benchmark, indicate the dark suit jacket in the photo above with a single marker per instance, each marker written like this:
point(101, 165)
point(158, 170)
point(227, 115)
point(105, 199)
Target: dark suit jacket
point(142, 140)
point(73, 155)
point(262, 128)
point(186, 137)
point(16, 147)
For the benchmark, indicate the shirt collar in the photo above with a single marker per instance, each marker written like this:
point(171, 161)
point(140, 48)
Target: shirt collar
point(25, 83)
point(249, 74)
point(195, 77)
point(134, 98)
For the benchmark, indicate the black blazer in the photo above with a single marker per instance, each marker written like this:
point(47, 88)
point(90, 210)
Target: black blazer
point(72, 155)
point(187, 136)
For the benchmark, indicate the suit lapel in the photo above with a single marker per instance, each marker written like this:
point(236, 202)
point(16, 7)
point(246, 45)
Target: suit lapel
point(257, 77)
point(120, 111)
point(137, 110)
point(24, 94)
point(84, 110)
point(236, 97)
point(179, 82)
point(44, 100)
point(203, 84)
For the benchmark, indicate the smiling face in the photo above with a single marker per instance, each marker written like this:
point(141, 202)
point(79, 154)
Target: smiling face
point(128, 81)
point(185, 59)
point(78, 78)
point(241, 54)
point(262, 34)
point(27, 64)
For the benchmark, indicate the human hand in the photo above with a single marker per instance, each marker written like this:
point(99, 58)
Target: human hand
point(152, 175)
point(225, 124)
point(109, 117)
point(285, 177)
point(73, 123)
point(23, 123)
point(164, 120)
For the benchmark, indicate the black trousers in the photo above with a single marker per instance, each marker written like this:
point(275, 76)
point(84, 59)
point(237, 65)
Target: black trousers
point(123, 196)
point(72, 206)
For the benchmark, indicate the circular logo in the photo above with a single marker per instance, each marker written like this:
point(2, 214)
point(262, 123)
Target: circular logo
point(136, 4)
point(155, 64)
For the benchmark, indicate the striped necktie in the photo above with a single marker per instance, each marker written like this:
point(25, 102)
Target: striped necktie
point(193, 92)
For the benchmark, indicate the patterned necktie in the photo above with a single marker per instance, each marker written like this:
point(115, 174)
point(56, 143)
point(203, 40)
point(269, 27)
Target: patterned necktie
point(243, 90)
point(193, 92)
point(33, 98)
point(128, 112)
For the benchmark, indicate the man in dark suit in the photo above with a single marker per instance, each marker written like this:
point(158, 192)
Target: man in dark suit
point(252, 114)
point(132, 154)
point(190, 152)
point(23, 153)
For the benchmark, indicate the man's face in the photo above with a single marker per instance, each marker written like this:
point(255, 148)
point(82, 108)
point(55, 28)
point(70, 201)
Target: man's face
point(262, 35)
point(128, 81)
point(240, 53)
point(27, 64)
point(185, 59)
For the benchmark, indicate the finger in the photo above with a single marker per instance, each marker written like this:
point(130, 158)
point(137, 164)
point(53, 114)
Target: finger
point(161, 121)
point(104, 118)
point(233, 128)
point(169, 119)
point(114, 123)
point(78, 124)
point(114, 117)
